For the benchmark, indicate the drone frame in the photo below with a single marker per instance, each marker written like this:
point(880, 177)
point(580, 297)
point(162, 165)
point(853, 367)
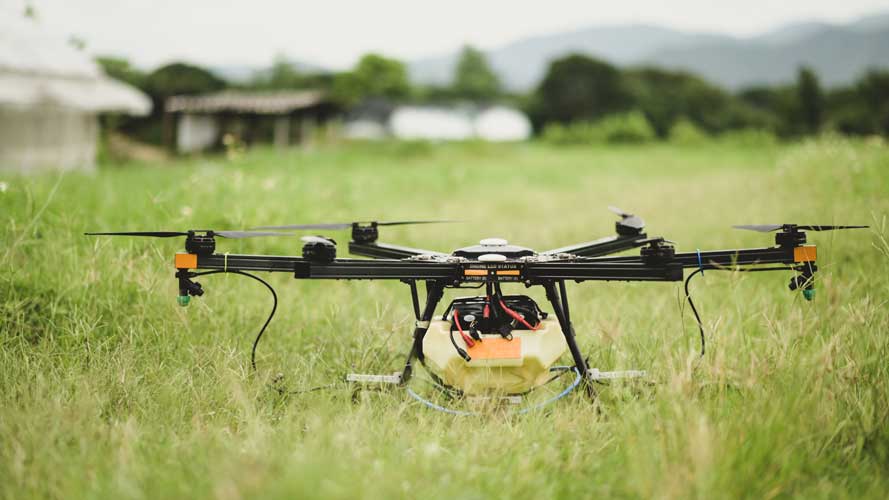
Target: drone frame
point(587, 261)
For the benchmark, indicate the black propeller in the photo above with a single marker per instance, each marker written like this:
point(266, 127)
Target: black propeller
point(767, 228)
point(628, 219)
point(347, 225)
point(172, 234)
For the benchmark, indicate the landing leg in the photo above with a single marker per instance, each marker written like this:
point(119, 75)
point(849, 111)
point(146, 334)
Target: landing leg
point(560, 309)
point(434, 293)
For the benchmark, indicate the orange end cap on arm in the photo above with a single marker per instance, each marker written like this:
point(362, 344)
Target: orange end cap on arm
point(186, 261)
point(806, 253)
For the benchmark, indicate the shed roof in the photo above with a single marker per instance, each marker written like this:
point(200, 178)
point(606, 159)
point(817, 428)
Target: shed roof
point(273, 103)
point(38, 67)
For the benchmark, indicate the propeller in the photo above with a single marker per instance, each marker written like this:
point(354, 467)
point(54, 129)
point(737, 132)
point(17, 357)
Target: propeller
point(628, 219)
point(317, 239)
point(766, 228)
point(173, 234)
point(347, 225)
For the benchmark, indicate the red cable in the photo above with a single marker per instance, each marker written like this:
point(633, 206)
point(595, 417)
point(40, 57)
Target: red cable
point(518, 317)
point(466, 338)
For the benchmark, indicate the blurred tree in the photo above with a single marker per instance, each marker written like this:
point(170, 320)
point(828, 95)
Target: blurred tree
point(666, 97)
point(578, 87)
point(873, 89)
point(30, 11)
point(284, 74)
point(810, 101)
point(780, 103)
point(374, 76)
point(172, 79)
point(862, 108)
point(473, 77)
point(121, 69)
point(180, 79)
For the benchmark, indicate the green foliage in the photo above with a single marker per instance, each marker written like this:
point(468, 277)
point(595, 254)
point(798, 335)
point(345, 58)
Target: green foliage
point(810, 100)
point(778, 102)
point(374, 76)
point(180, 79)
point(685, 132)
point(748, 138)
point(284, 75)
point(619, 128)
point(864, 108)
point(121, 69)
point(668, 96)
point(580, 88)
point(473, 77)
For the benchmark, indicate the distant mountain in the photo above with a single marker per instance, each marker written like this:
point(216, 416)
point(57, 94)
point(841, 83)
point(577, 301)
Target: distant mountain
point(838, 56)
point(838, 53)
point(521, 64)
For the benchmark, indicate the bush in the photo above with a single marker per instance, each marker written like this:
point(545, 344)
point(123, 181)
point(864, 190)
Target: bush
point(749, 137)
point(620, 128)
point(684, 131)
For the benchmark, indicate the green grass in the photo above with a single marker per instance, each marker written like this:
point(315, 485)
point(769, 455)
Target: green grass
point(109, 389)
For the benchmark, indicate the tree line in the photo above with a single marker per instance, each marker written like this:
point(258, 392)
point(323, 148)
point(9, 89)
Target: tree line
point(579, 98)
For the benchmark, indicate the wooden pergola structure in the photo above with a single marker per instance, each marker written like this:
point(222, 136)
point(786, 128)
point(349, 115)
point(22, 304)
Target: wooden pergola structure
point(284, 118)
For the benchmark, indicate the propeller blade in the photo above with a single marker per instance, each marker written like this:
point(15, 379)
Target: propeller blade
point(347, 225)
point(762, 228)
point(829, 228)
point(247, 234)
point(628, 219)
point(154, 234)
point(172, 234)
point(618, 211)
point(765, 228)
point(412, 222)
point(339, 225)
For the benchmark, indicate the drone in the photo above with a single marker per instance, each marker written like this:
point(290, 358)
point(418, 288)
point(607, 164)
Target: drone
point(491, 343)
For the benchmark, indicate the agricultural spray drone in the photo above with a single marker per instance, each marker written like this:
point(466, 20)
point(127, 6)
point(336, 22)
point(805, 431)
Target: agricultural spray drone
point(492, 343)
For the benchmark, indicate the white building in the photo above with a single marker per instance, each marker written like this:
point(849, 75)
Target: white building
point(51, 95)
point(436, 123)
point(430, 123)
point(502, 124)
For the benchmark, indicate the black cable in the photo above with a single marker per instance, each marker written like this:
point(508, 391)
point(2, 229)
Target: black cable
point(264, 327)
point(463, 354)
point(695, 310)
point(719, 268)
point(271, 314)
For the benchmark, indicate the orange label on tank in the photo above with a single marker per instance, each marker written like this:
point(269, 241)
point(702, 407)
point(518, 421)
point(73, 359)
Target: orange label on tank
point(496, 348)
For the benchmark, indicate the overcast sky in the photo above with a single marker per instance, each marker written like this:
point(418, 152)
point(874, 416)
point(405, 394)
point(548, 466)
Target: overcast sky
point(334, 33)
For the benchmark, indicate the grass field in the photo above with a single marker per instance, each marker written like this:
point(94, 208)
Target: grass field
point(109, 389)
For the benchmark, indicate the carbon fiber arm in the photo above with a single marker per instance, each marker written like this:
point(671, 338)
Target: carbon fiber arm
point(377, 250)
point(602, 246)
